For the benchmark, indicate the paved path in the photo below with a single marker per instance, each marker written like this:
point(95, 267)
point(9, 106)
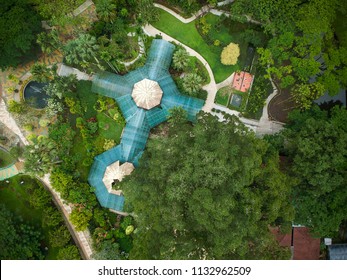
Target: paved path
point(64, 70)
point(203, 10)
point(211, 88)
point(264, 125)
point(142, 51)
point(8, 172)
point(6, 119)
point(82, 8)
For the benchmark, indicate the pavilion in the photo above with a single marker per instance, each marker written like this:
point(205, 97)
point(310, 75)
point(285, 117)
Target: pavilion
point(145, 97)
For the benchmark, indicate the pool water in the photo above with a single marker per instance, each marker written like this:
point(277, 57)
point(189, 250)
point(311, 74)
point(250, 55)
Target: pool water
point(35, 95)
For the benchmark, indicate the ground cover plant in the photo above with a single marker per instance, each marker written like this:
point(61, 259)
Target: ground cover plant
point(6, 158)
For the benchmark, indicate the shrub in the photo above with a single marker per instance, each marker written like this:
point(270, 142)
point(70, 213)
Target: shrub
point(230, 54)
point(44, 122)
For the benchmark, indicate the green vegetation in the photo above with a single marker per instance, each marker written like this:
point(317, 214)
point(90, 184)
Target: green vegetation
point(188, 35)
point(223, 96)
point(316, 145)
point(35, 227)
point(6, 158)
point(303, 44)
point(212, 195)
point(19, 24)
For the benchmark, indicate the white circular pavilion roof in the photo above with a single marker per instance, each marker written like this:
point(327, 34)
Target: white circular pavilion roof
point(116, 171)
point(147, 94)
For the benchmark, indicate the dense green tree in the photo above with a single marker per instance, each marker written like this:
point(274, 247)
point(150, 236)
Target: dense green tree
point(191, 83)
point(316, 144)
point(69, 253)
point(49, 41)
point(108, 251)
point(62, 86)
point(146, 12)
point(40, 156)
point(180, 59)
point(81, 50)
point(19, 24)
point(106, 10)
point(53, 9)
point(213, 190)
point(59, 237)
point(80, 218)
point(42, 73)
point(18, 240)
point(304, 47)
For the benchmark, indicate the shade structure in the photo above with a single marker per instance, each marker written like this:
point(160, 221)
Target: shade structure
point(116, 172)
point(145, 97)
point(147, 94)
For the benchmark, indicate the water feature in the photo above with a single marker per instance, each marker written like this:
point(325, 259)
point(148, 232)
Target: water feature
point(35, 95)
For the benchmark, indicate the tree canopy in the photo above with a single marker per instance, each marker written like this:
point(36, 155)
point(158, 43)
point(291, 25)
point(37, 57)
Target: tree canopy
point(207, 191)
point(19, 24)
point(316, 144)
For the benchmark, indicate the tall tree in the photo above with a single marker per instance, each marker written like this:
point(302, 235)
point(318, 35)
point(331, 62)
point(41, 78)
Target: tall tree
point(81, 50)
point(19, 24)
point(316, 143)
point(212, 189)
point(180, 59)
point(106, 10)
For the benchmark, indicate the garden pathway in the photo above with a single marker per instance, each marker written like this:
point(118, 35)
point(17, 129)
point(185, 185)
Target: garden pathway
point(211, 88)
point(8, 172)
point(203, 10)
point(141, 52)
point(264, 125)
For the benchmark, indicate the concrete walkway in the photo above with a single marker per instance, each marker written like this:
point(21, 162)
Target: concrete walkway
point(8, 172)
point(82, 8)
point(6, 119)
point(211, 88)
point(142, 51)
point(64, 70)
point(203, 10)
point(261, 127)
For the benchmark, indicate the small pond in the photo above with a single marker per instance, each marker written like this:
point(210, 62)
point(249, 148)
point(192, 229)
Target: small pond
point(35, 95)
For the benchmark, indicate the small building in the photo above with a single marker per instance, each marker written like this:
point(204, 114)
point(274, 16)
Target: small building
point(337, 252)
point(303, 245)
point(242, 81)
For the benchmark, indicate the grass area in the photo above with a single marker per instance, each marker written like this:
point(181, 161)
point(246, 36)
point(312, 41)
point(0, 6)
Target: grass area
point(222, 96)
point(6, 159)
point(188, 35)
point(111, 129)
point(15, 196)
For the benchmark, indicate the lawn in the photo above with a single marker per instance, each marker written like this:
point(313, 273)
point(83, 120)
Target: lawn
point(5, 158)
point(15, 197)
point(188, 35)
point(222, 96)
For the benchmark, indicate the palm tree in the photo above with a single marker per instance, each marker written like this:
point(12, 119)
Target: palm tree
point(41, 73)
point(106, 10)
point(180, 59)
point(49, 42)
point(81, 50)
point(192, 83)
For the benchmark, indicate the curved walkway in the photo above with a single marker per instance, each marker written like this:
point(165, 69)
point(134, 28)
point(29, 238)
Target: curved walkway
point(203, 10)
point(211, 88)
point(264, 125)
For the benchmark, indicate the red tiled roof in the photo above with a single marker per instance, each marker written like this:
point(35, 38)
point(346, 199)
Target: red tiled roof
point(305, 246)
point(242, 81)
point(284, 240)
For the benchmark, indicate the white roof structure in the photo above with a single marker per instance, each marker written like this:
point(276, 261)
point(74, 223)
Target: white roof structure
point(116, 171)
point(147, 94)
